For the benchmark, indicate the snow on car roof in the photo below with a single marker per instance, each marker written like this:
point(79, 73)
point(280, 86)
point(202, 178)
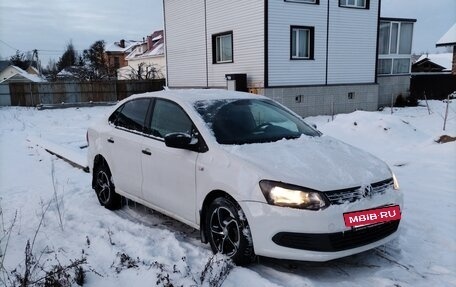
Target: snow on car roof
point(194, 95)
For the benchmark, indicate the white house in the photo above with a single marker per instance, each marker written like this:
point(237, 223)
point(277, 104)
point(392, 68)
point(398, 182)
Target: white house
point(149, 55)
point(315, 56)
point(14, 74)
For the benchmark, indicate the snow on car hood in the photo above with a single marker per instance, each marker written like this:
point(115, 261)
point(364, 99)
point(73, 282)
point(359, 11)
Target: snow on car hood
point(320, 163)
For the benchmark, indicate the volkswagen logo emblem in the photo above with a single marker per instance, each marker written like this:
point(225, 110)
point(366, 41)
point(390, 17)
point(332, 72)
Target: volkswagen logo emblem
point(367, 193)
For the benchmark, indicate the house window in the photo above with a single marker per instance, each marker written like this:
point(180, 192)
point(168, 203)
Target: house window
point(361, 4)
point(384, 66)
point(302, 45)
point(395, 38)
point(401, 66)
point(222, 48)
point(394, 47)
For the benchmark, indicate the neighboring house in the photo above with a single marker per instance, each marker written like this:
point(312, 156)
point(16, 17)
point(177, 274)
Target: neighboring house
point(13, 74)
point(434, 76)
point(33, 70)
point(394, 58)
point(433, 63)
point(72, 73)
point(437, 85)
point(449, 40)
point(116, 53)
point(146, 58)
point(314, 56)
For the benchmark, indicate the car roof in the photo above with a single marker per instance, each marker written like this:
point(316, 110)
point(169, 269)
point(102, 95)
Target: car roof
point(191, 96)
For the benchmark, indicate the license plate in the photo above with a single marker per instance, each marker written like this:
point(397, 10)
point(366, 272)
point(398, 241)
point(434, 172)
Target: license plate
point(372, 216)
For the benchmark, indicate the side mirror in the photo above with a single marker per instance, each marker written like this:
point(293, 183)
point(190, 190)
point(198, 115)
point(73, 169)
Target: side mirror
point(180, 141)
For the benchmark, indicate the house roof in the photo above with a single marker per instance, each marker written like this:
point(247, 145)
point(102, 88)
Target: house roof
point(65, 73)
point(444, 60)
point(116, 46)
point(449, 39)
point(397, 19)
point(156, 50)
point(23, 74)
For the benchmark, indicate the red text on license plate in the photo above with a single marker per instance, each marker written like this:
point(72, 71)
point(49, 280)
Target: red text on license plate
point(372, 216)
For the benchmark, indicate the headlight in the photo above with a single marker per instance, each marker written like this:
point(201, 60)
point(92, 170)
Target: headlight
point(395, 182)
point(281, 194)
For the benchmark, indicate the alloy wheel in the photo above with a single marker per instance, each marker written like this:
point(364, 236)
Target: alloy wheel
point(104, 186)
point(225, 231)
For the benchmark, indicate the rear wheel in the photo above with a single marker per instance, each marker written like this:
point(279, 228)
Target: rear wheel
point(104, 187)
point(228, 231)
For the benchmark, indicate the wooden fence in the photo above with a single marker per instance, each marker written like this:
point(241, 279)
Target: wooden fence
point(436, 86)
point(33, 94)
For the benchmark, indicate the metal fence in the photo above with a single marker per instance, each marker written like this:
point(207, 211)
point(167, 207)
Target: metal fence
point(33, 94)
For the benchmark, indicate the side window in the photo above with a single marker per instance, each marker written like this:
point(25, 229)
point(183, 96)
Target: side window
point(222, 48)
point(360, 4)
point(113, 117)
point(302, 43)
point(132, 114)
point(168, 117)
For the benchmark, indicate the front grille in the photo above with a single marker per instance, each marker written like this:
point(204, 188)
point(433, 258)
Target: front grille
point(353, 194)
point(339, 241)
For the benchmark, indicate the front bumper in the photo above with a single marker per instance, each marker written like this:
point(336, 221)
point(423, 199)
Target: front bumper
point(295, 234)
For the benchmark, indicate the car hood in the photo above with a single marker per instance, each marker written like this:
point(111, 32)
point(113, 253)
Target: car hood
point(321, 163)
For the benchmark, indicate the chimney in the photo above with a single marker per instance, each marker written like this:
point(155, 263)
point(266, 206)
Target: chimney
point(149, 42)
point(122, 43)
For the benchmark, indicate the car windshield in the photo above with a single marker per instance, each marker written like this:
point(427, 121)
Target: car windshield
point(251, 121)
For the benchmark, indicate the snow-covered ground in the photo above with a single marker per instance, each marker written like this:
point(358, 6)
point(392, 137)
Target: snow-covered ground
point(138, 247)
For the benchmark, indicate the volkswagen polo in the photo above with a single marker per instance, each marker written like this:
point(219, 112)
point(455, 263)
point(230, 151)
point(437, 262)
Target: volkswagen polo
point(249, 173)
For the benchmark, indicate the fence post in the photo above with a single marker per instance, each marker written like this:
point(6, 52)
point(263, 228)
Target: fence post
point(115, 90)
point(427, 105)
point(446, 112)
point(31, 93)
point(392, 103)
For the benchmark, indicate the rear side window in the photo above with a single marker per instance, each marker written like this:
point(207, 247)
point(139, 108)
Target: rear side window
point(168, 117)
point(131, 115)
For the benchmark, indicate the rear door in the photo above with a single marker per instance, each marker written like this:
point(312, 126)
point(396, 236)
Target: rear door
point(125, 143)
point(169, 173)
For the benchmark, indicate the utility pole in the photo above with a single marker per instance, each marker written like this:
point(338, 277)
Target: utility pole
point(37, 61)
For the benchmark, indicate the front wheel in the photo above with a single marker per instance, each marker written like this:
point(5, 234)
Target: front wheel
point(228, 231)
point(104, 188)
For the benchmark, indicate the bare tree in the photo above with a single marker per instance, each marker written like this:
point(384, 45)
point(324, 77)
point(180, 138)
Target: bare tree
point(145, 72)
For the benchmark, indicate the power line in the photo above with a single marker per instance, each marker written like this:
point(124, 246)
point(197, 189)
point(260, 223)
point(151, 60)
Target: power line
point(46, 51)
point(9, 45)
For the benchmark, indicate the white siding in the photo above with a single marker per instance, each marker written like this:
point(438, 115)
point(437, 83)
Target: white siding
point(352, 44)
point(246, 20)
point(185, 42)
point(282, 70)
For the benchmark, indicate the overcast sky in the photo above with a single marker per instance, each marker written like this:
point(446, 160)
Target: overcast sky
point(47, 25)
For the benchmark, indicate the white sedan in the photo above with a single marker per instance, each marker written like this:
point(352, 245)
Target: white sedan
point(250, 174)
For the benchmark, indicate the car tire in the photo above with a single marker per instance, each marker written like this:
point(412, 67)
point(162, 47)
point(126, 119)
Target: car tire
point(228, 231)
point(104, 187)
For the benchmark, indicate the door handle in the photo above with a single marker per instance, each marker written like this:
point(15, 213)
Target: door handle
point(146, 151)
point(110, 140)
